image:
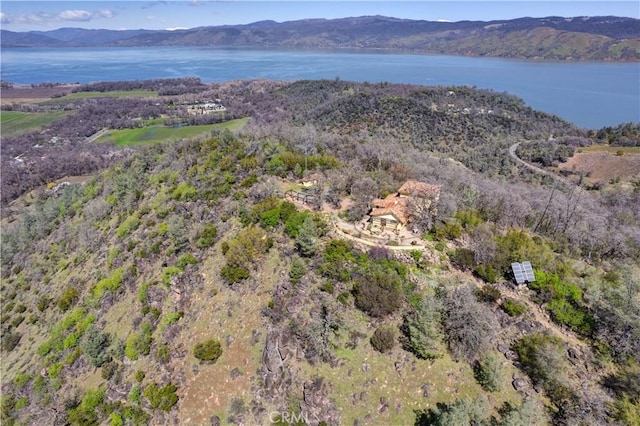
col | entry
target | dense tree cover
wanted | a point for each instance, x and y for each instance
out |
(172, 86)
(626, 134)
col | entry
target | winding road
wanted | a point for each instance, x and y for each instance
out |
(512, 152)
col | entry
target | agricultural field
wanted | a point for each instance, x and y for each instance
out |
(16, 122)
(158, 133)
(606, 164)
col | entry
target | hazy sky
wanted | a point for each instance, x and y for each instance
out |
(28, 15)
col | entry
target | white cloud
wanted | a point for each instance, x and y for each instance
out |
(442, 20)
(176, 28)
(195, 3)
(150, 17)
(104, 13)
(75, 15)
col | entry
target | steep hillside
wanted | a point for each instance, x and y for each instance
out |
(186, 284)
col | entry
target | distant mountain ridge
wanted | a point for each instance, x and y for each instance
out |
(579, 38)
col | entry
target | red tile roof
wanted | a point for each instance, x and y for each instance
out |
(393, 205)
(414, 188)
(397, 204)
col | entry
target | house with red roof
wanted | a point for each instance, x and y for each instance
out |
(395, 211)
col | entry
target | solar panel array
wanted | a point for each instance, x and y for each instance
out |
(523, 272)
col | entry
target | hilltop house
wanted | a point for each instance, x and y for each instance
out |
(396, 210)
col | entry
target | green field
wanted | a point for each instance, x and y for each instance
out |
(154, 134)
(114, 94)
(16, 122)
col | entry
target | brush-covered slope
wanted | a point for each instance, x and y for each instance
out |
(178, 287)
(472, 126)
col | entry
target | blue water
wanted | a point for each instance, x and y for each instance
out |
(589, 94)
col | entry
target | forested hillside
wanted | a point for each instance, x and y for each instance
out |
(550, 38)
(179, 284)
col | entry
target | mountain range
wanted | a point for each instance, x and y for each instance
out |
(555, 38)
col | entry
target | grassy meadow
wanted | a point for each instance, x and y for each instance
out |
(16, 122)
(158, 133)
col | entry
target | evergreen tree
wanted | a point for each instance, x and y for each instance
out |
(422, 330)
(307, 239)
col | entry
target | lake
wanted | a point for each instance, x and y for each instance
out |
(589, 94)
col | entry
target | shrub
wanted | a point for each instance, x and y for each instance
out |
(86, 412)
(169, 272)
(469, 218)
(234, 274)
(185, 192)
(108, 370)
(343, 298)
(115, 419)
(186, 259)
(464, 259)
(543, 358)
(139, 376)
(128, 225)
(43, 303)
(249, 180)
(55, 369)
(293, 223)
(489, 373)
(163, 354)
(10, 340)
(513, 308)
(95, 346)
(384, 338)
(449, 230)
(488, 294)
(270, 218)
(21, 379)
(224, 247)
(327, 287)
(564, 312)
(162, 398)
(207, 236)
(416, 255)
(298, 269)
(111, 283)
(378, 292)
(138, 343)
(336, 258)
(21, 403)
(68, 298)
(488, 273)
(209, 350)
(465, 411)
(247, 247)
